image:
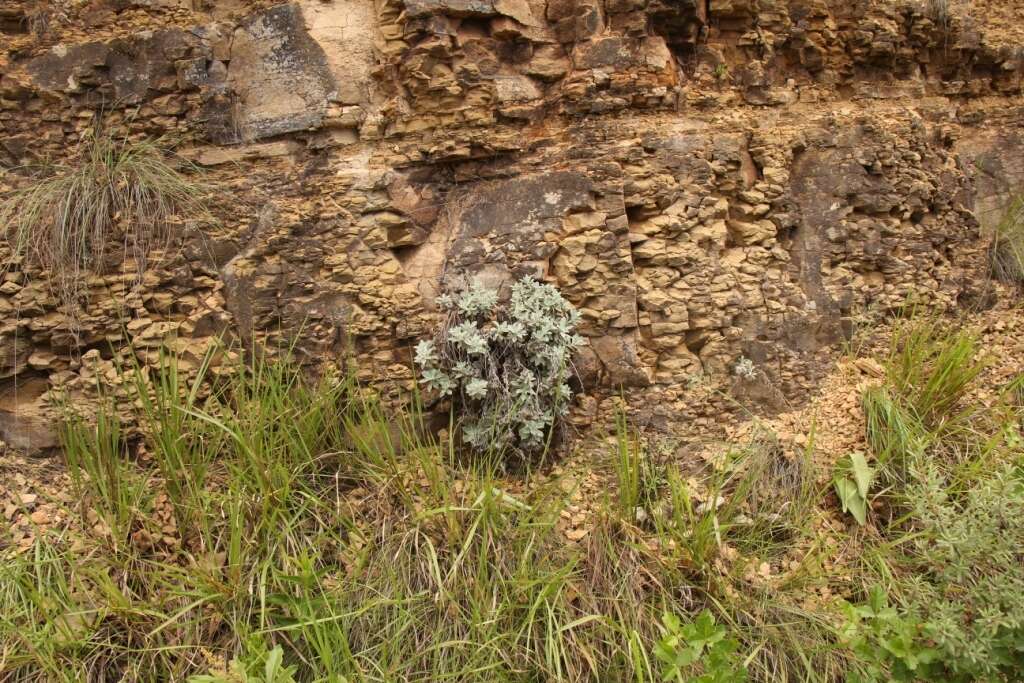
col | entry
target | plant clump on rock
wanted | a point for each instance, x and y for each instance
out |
(505, 365)
(115, 191)
(1008, 244)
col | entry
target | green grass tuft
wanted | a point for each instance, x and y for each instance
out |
(931, 365)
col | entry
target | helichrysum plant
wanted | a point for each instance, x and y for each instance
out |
(505, 365)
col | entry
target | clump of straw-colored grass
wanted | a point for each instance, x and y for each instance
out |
(114, 191)
(1008, 244)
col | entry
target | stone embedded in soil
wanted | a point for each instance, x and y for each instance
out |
(40, 517)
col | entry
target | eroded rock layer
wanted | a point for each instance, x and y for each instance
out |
(707, 180)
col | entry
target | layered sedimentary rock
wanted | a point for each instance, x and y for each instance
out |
(707, 180)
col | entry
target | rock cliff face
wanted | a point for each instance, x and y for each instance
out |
(706, 180)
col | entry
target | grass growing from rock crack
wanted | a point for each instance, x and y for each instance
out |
(118, 191)
(1007, 253)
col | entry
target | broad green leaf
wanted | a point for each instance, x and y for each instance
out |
(671, 621)
(863, 474)
(273, 664)
(851, 499)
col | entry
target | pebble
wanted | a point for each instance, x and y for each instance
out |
(40, 517)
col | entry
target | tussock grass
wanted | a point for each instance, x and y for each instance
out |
(639, 478)
(1007, 252)
(115, 191)
(931, 365)
(895, 435)
(101, 474)
(923, 410)
(181, 442)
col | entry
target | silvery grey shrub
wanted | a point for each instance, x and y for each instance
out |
(505, 365)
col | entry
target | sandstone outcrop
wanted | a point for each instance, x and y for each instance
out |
(707, 180)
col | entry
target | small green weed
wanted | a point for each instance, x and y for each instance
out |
(698, 645)
(265, 667)
(891, 646)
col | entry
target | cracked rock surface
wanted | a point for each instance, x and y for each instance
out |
(706, 180)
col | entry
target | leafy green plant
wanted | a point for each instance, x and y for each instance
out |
(852, 482)
(891, 646)
(506, 366)
(701, 644)
(116, 191)
(967, 586)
